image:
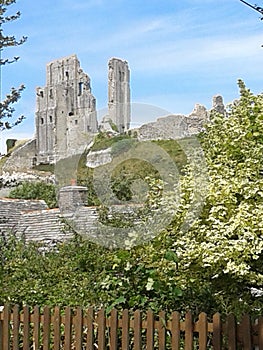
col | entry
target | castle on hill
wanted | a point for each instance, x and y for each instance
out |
(66, 122)
(66, 108)
(66, 115)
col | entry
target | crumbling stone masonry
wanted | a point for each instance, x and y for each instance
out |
(119, 94)
(65, 112)
(66, 117)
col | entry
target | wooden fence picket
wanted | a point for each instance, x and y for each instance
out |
(57, 328)
(90, 328)
(162, 331)
(137, 330)
(101, 321)
(78, 327)
(114, 330)
(150, 330)
(46, 328)
(231, 332)
(217, 330)
(6, 329)
(16, 325)
(203, 331)
(175, 330)
(246, 332)
(188, 331)
(260, 333)
(125, 330)
(26, 328)
(68, 328)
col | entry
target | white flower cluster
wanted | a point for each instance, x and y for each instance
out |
(14, 179)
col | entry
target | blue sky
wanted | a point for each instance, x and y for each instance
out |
(179, 52)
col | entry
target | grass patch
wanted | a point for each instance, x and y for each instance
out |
(45, 167)
(104, 141)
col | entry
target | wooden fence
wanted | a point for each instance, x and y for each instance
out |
(86, 329)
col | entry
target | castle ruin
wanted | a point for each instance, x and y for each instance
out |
(66, 116)
(119, 94)
(66, 120)
(65, 112)
(66, 108)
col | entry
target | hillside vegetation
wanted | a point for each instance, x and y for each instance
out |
(215, 264)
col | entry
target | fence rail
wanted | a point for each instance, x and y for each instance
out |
(79, 329)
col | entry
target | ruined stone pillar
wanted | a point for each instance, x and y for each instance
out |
(119, 94)
(218, 104)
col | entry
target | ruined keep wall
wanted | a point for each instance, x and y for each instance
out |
(22, 158)
(119, 94)
(66, 111)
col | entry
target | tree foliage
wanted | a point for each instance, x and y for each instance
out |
(6, 106)
(36, 190)
(224, 247)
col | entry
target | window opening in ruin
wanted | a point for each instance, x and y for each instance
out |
(88, 128)
(71, 114)
(41, 93)
(51, 93)
(50, 118)
(87, 85)
(80, 88)
(42, 121)
(76, 122)
(67, 75)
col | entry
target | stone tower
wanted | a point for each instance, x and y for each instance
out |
(119, 94)
(65, 112)
(218, 104)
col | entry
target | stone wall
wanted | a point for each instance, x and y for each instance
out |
(22, 158)
(43, 226)
(178, 126)
(11, 211)
(164, 128)
(36, 222)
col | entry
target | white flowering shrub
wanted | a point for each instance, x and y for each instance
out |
(224, 247)
(15, 179)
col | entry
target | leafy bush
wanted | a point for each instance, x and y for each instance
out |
(36, 190)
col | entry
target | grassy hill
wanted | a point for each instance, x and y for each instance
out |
(124, 173)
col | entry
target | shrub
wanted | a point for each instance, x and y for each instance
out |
(36, 190)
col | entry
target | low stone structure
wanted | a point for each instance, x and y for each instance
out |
(22, 158)
(168, 127)
(33, 219)
(35, 222)
(12, 211)
(177, 126)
